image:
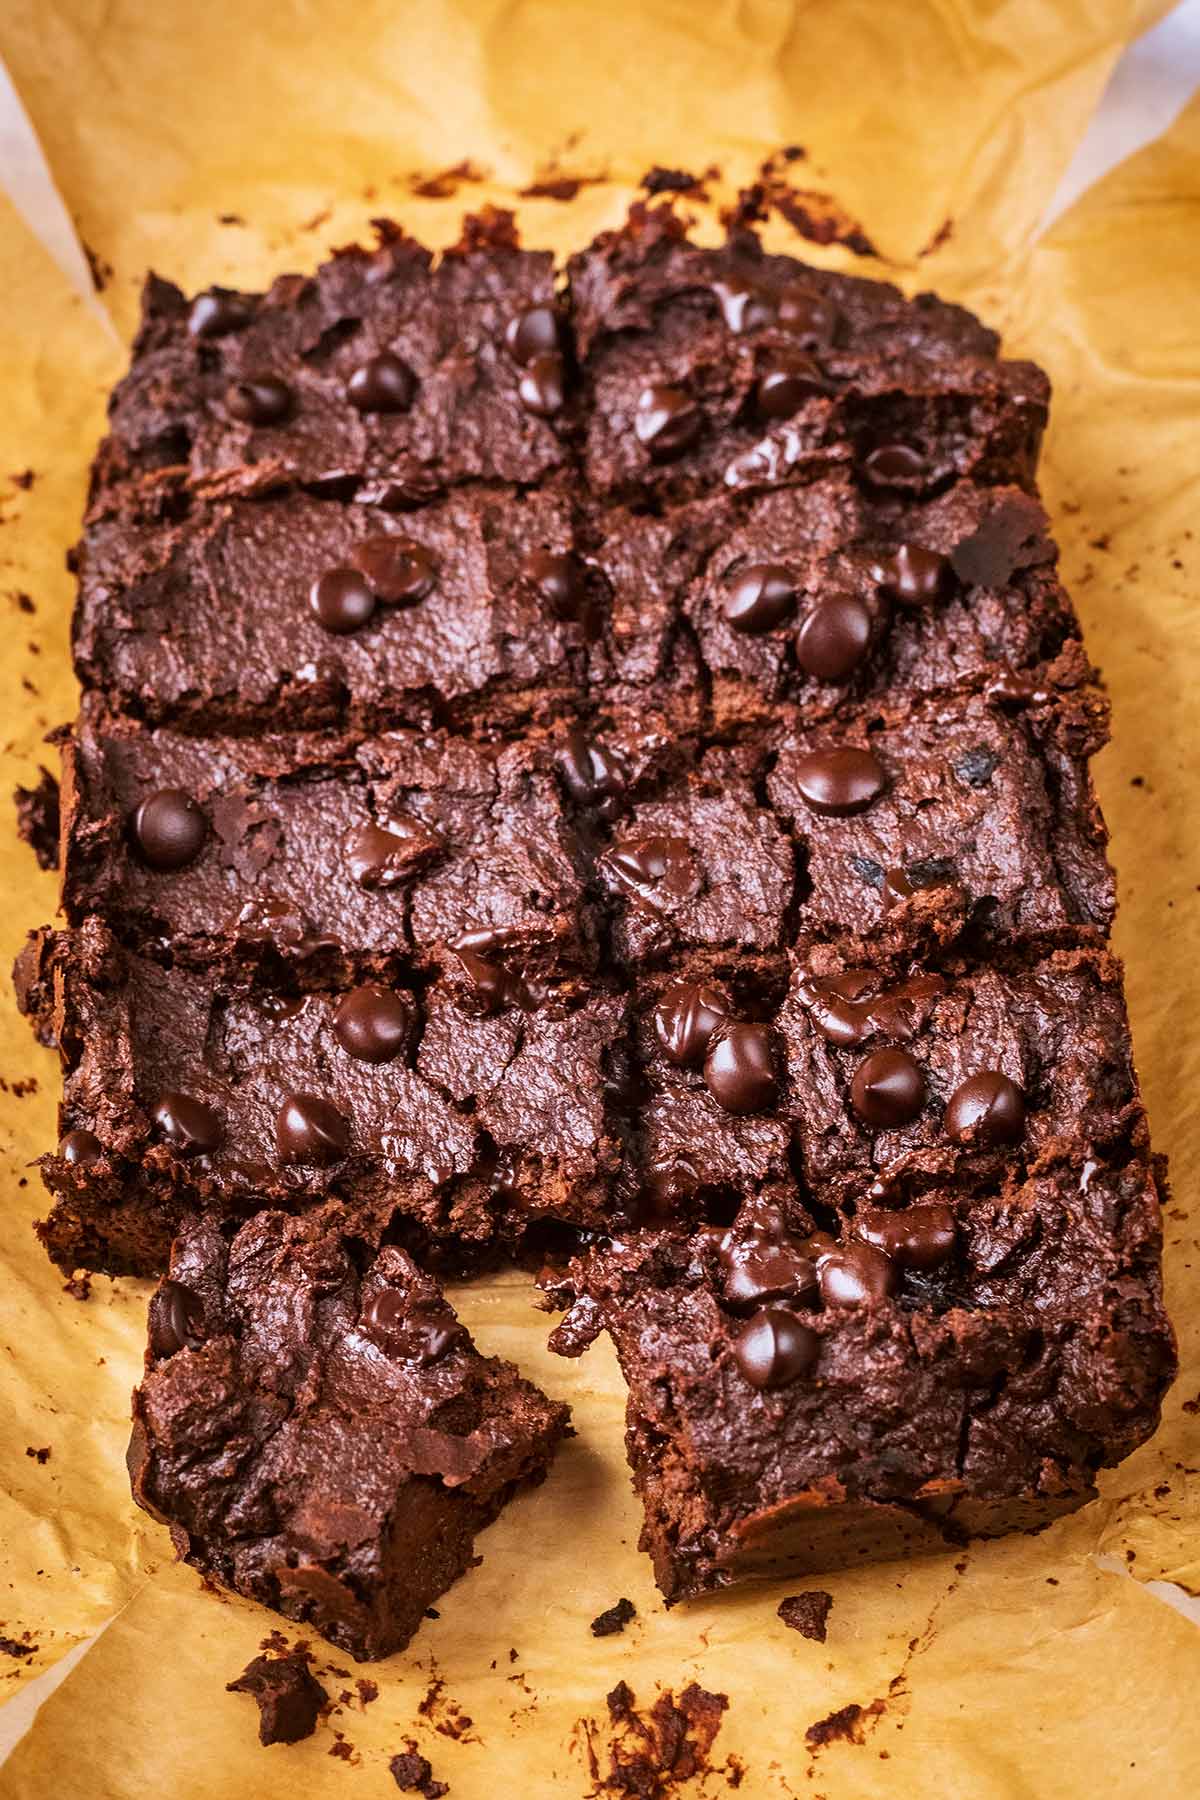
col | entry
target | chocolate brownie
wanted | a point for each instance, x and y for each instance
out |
(380, 374)
(703, 368)
(319, 1431)
(459, 1114)
(797, 1404)
(299, 613)
(325, 859)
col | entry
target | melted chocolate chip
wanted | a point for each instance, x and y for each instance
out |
(919, 1237)
(384, 384)
(739, 1069)
(169, 828)
(807, 315)
(914, 576)
(667, 420)
(270, 919)
(986, 1109)
(786, 384)
(653, 870)
(834, 638)
(418, 1333)
(535, 332)
(775, 1348)
(592, 774)
(492, 987)
(836, 783)
(372, 1023)
(259, 400)
(856, 1274)
(760, 597)
(177, 1319)
(667, 1187)
(395, 569)
(557, 579)
(189, 1126)
(310, 1129)
(887, 1090)
(80, 1147)
(384, 857)
(685, 1018)
(542, 387)
(744, 305)
(342, 599)
(218, 312)
(848, 1009)
(890, 463)
(761, 1268)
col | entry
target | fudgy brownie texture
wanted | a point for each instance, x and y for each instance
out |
(319, 1431)
(728, 368)
(406, 1106)
(796, 1405)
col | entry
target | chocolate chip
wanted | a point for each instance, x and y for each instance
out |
(739, 1069)
(542, 387)
(836, 783)
(667, 1187)
(372, 1023)
(761, 1268)
(395, 569)
(666, 421)
(535, 332)
(492, 986)
(259, 400)
(849, 1008)
(592, 773)
(976, 767)
(653, 870)
(856, 1275)
(384, 384)
(890, 463)
(556, 577)
(270, 919)
(887, 1090)
(177, 1321)
(760, 597)
(217, 312)
(744, 305)
(912, 575)
(807, 315)
(380, 857)
(786, 384)
(687, 1014)
(775, 1348)
(919, 1237)
(896, 887)
(189, 1126)
(418, 1333)
(834, 638)
(169, 828)
(80, 1147)
(986, 1109)
(310, 1129)
(342, 599)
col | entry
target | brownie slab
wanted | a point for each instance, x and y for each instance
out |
(316, 858)
(295, 613)
(320, 1433)
(710, 368)
(379, 372)
(456, 1117)
(781, 1421)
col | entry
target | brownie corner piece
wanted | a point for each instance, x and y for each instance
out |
(320, 1433)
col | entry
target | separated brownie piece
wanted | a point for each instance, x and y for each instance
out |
(325, 859)
(293, 613)
(378, 372)
(727, 368)
(466, 1112)
(319, 1431)
(797, 1405)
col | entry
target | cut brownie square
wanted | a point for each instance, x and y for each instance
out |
(322, 859)
(293, 613)
(797, 1405)
(378, 372)
(413, 1111)
(319, 1432)
(706, 369)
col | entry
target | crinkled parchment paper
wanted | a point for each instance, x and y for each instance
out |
(222, 143)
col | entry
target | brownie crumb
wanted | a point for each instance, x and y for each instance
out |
(652, 1754)
(367, 1691)
(37, 818)
(23, 479)
(848, 1724)
(807, 1613)
(413, 1774)
(79, 1287)
(615, 1619)
(25, 603)
(41, 1456)
(289, 1696)
(668, 181)
(16, 1647)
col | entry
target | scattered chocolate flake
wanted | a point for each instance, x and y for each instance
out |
(651, 1755)
(848, 1724)
(37, 818)
(615, 1619)
(807, 1613)
(230, 219)
(367, 1691)
(317, 220)
(288, 1695)
(814, 215)
(444, 1713)
(942, 235)
(25, 603)
(16, 1647)
(668, 181)
(23, 479)
(412, 1774)
(79, 1287)
(343, 1748)
(100, 271)
(555, 187)
(445, 185)
(41, 1456)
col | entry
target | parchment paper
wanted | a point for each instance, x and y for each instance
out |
(1025, 1667)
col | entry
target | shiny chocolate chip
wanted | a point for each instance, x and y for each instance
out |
(855, 1275)
(807, 315)
(687, 1014)
(383, 384)
(491, 986)
(889, 464)
(384, 857)
(834, 638)
(593, 774)
(667, 420)
(373, 1023)
(218, 312)
(177, 1319)
(543, 385)
(786, 384)
(914, 576)
(557, 579)
(342, 599)
(535, 332)
(917, 1237)
(775, 1348)
(417, 1332)
(310, 1129)
(190, 1126)
(396, 569)
(760, 597)
(169, 828)
(887, 1090)
(654, 870)
(761, 1268)
(986, 1109)
(739, 1068)
(259, 400)
(745, 306)
(837, 783)
(80, 1147)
